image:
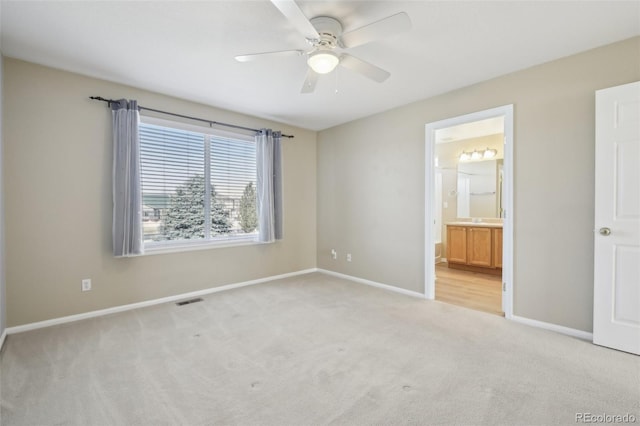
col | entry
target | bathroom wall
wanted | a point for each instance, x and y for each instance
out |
(448, 154)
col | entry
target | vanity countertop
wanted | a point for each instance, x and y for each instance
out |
(477, 224)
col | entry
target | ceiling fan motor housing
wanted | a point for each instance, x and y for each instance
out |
(329, 29)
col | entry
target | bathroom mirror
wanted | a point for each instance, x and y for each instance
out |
(479, 191)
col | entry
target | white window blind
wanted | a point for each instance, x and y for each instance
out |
(196, 186)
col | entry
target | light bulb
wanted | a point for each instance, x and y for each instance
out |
(490, 153)
(476, 155)
(323, 61)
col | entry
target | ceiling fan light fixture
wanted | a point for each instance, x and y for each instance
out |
(323, 61)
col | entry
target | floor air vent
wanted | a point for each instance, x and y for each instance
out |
(186, 302)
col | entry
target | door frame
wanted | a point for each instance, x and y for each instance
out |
(505, 111)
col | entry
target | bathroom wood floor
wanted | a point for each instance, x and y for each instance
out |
(472, 290)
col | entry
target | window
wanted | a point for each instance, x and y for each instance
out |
(198, 185)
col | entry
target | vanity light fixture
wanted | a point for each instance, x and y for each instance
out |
(478, 155)
(490, 153)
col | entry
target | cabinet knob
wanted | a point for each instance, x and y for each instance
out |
(605, 232)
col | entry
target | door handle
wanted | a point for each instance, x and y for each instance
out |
(605, 232)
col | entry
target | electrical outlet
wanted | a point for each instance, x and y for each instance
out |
(348, 257)
(334, 254)
(86, 284)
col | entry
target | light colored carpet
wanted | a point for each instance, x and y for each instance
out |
(309, 350)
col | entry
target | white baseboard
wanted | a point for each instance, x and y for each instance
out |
(372, 283)
(122, 308)
(533, 323)
(71, 318)
(2, 338)
(584, 335)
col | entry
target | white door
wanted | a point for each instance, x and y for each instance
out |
(616, 303)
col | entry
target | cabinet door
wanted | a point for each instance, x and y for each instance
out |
(457, 244)
(479, 243)
(497, 247)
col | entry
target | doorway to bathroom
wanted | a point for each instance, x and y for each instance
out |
(468, 210)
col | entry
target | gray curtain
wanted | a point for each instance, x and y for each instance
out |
(127, 196)
(269, 185)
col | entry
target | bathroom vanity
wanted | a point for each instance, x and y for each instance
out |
(475, 247)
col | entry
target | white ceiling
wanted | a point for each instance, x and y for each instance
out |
(187, 48)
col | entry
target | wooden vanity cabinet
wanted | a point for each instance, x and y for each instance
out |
(457, 244)
(475, 248)
(480, 247)
(497, 247)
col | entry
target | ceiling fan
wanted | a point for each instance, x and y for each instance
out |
(327, 40)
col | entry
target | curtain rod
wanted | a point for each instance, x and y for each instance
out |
(210, 122)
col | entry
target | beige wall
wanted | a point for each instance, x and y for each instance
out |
(371, 190)
(58, 202)
(3, 310)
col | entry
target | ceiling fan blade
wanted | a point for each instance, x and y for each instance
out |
(364, 68)
(310, 82)
(256, 56)
(386, 27)
(292, 12)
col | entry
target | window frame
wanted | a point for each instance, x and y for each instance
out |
(176, 246)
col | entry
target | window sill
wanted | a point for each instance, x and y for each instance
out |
(183, 246)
